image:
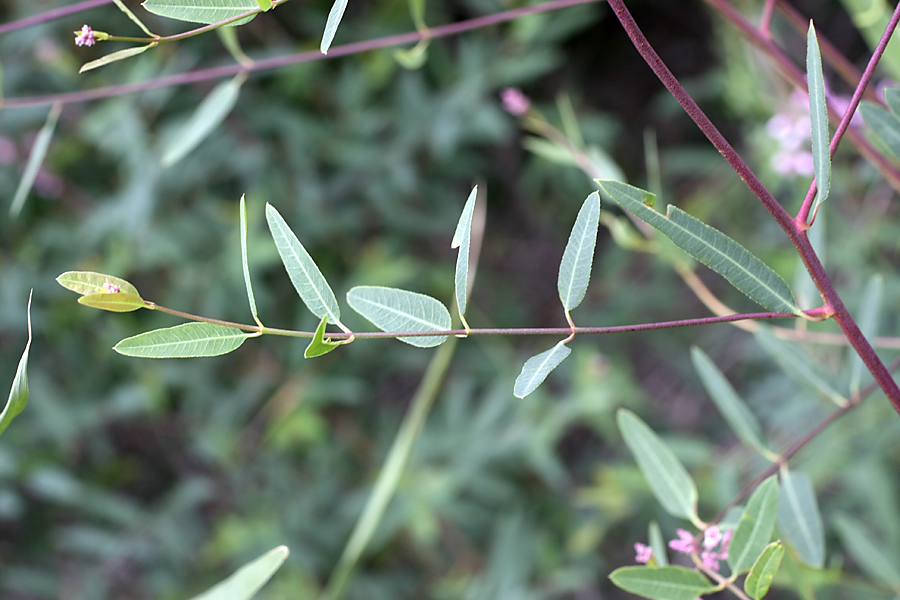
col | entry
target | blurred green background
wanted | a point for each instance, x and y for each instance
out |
(129, 479)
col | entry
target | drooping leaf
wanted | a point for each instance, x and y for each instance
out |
(244, 262)
(883, 124)
(658, 544)
(413, 58)
(334, 19)
(305, 275)
(755, 528)
(662, 583)
(797, 365)
(319, 346)
(391, 309)
(818, 113)
(229, 38)
(118, 302)
(710, 246)
(116, 56)
(202, 11)
(35, 160)
(536, 369)
(249, 579)
(578, 257)
(133, 17)
(799, 519)
(18, 393)
(189, 340)
(759, 579)
(462, 238)
(871, 556)
(667, 478)
(206, 118)
(89, 282)
(868, 325)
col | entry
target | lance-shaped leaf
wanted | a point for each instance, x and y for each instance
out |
(113, 302)
(575, 268)
(89, 282)
(116, 56)
(319, 345)
(667, 478)
(797, 365)
(305, 275)
(206, 118)
(18, 393)
(799, 519)
(818, 114)
(462, 238)
(755, 528)
(245, 265)
(883, 124)
(35, 160)
(334, 19)
(202, 11)
(189, 340)
(391, 309)
(249, 579)
(662, 583)
(872, 558)
(709, 246)
(133, 17)
(536, 369)
(658, 544)
(869, 313)
(759, 579)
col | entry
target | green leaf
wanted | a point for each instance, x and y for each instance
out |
(35, 160)
(133, 17)
(18, 393)
(658, 544)
(246, 581)
(662, 583)
(759, 579)
(818, 113)
(578, 257)
(188, 340)
(391, 309)
(334, 19)
(885, 125)
(755, 528)
(413, 58)
(229, 38)
(319, 346)
(113, 302)
(668, 480)
(732, 407)
(264, 5)
(868, 325)
(536, 369)
(797, 365)
(305, 275)
(244, 263)
(115, 56)
(89, 282)
(461, 239)
(202, 11)
(709, 246)
(206, 118)
(868, 554)
(892, 99)
(799, 519)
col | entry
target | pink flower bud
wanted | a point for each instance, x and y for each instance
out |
(85, 37)
(515, 102)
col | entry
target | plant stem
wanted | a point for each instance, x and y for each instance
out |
(51, 15)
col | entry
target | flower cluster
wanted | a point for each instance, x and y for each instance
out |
(712, 538)
(110, 288)
(85, 37)
(791, 129)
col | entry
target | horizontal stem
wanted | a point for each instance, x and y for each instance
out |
(51, 15)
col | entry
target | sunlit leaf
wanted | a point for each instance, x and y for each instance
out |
(797, 365)
(113, 302)
(244, 262)
(536, 369)
(305, 275)
(461, 239)
(18, 393)
(391, 309)
(202, 11)
(334, 19)
(662, 583)
(115, 56)
(88, 282)
(578, 257)
(709, 246)
(35, 160)
(867, 320)
(818, 113)
(799, 519)
(667, 478)
(133, 17)
(206, 118)
(759, 579)
(755, 528)
(870, 555)
(249, 579)
(188, 340)
(319, 346)
(885, 125)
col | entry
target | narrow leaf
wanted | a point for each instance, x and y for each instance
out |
(462, 239)
(799, 519)
(18, 393)
(658, 544)
(116, 56)
(88, 282)
(305, 275)
(818, 114)
(334, 19)
(202, 11)
(229, 38)
(796, 365)
(755, 528)
(391, 309)
(319, 346)
(133, 17)
(866, 552)
(35, 160)
(709, 246)
(667, 478)
(117, 302)
(244, 262)
(759, 579)
(536, 369)
(188, 340)
(892, 99)
(868, 325)
(413, 58)
(883, 124)
(578, 257)
(208, 116)
(662, 583)
(249, 579)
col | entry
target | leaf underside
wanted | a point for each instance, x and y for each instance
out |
(391, 309)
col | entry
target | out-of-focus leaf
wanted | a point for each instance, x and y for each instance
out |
(797, 365)
(536, 369)
(18, 393)
(391, 309)
(868, 325)
(133, 17)
(892, 99)
(667, 478)
(115, 56)
(206, 118)
(818, 113)
(662, 583)
(799, 519)
(413, 58)
(35, 160)
(202, 11)
(249, 579)
(755, 528)
(319, 346)
(188, 340)
(885, 125)
(87, 283)
(462, 238)
(245, 265)
(878, 562)
(759, 579)
(117, 302)
(334, 19)
(578, 257)
(658, 544)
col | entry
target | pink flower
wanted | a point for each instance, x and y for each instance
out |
(515, 102)
(711, 537)
(85, 37)
(685, 543)
(643, 553)
(110, 288)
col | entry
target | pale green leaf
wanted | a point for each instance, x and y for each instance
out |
(305, 275)
(871, 557)
(797, 365)
(662, 583)
(667, 478)
(868, 325)
(885, 125)
(415, 57)
(799, 520)
(88, 282)
(202, 11)
(35, 160)
(892, 99)
(244, 262)
(249, 579)
(319, 346)
(759, 579)
(18, 393)
(133, 17)
(391, 309)
(417, 12)
(462, 238)
(264, 5)
(115, 56)
(578, 257)
(755, 528)
(229, 38)
(206, 118)
(113, 302)
(658, 544)
(709, 246)
(818, 113)
(188, 340)
(334, 19)
(536, 369)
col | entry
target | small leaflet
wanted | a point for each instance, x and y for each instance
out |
(133, 17)
(578, 257)
(319, 346)
(334, 19)
(755, 528)
(249, 579)
(391, 309)
(189, 340)
(35, 160)
(89, 282)
(668, 583)
(818, 114)
(116, 56)
(244, 262)
(536, 369)
(113, 301)
(462, 238)
(759, 579)
(18, 393)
